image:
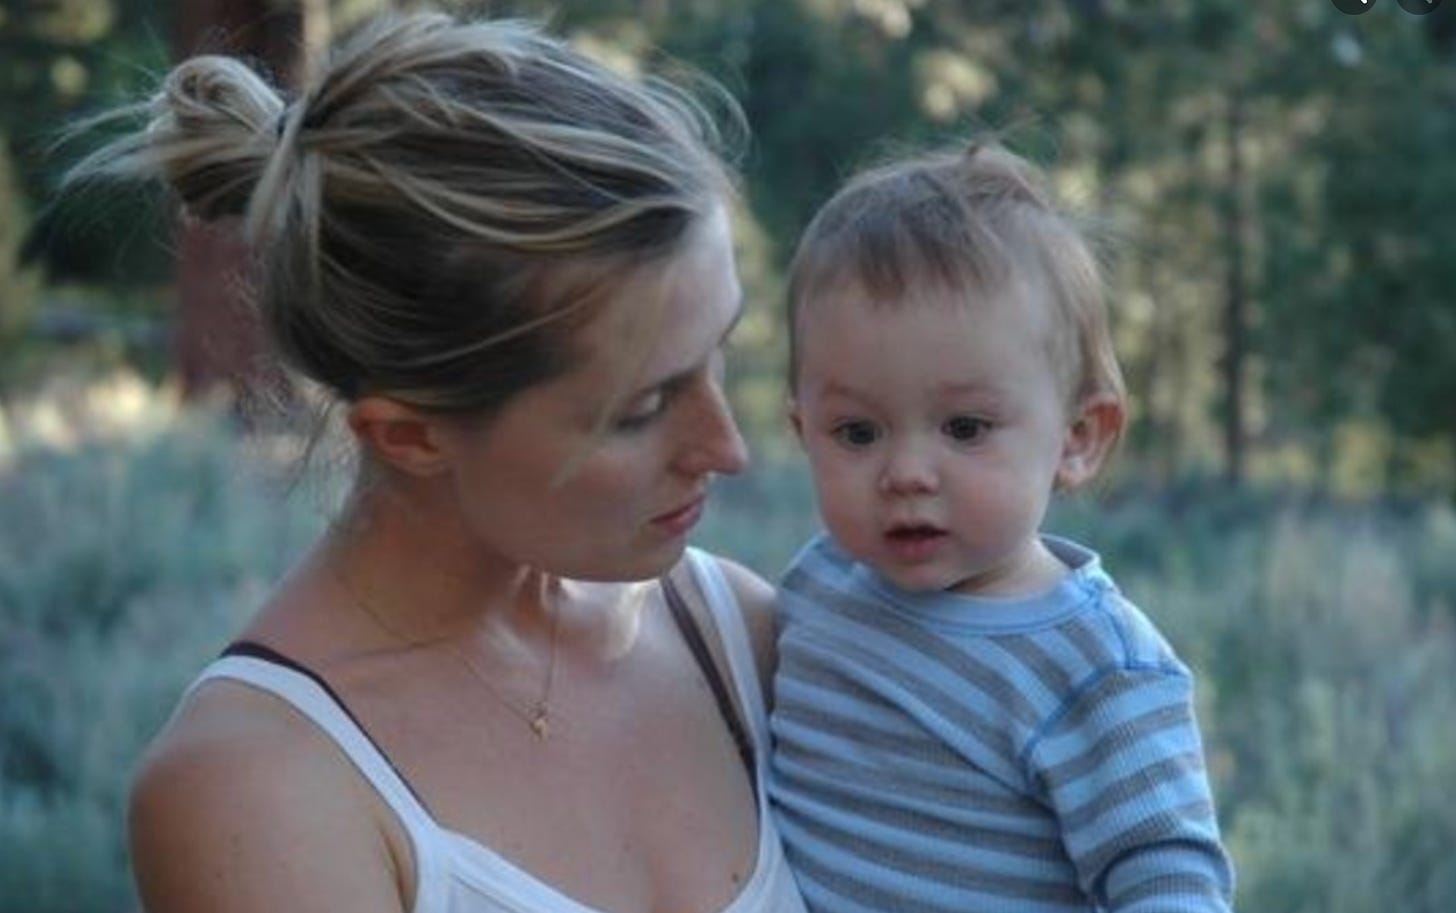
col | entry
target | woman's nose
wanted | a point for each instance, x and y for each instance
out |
(716, 444)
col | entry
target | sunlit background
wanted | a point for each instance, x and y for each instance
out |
(1275, 187)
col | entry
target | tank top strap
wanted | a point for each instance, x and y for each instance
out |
(310, 695)
(733, 631)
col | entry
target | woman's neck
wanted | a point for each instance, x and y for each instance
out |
(425, 576)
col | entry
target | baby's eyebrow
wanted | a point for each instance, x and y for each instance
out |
(961, 388)
(840, 389)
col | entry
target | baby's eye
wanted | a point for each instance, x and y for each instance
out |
(857, 433)
(966, 428)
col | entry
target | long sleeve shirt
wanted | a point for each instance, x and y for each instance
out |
(939, 752)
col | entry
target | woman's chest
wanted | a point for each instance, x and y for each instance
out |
(635, 799)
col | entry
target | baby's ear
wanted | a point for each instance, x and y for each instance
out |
(1092, 430)
(398, 435)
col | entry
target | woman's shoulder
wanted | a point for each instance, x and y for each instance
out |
(756, 602)
(240, 804)
(754, 594)
(226, 724)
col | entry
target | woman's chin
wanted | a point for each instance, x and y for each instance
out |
(644, 564)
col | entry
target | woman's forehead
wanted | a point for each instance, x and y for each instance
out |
(674, 310)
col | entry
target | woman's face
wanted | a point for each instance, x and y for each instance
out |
(577, 477)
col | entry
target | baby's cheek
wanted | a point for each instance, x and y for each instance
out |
(847, 518)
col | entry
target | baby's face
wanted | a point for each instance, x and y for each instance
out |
(935, 429)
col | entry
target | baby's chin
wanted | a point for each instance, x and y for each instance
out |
(919, 581)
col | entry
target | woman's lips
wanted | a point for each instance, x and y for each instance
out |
(679, 521)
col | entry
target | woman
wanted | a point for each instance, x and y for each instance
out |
(514, 268)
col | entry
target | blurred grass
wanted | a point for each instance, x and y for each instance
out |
(133, 539)
(134, 536)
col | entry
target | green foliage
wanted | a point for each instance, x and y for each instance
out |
(61, 855)
(1357, 241)
(59, 60)
(125, 561)
(58, 64)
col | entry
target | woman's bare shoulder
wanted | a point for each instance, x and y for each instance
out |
(755, 596)
(754, 593)
(241, 805)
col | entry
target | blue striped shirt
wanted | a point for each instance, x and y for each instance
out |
(945, 753)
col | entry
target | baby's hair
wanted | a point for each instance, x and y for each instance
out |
(973, 221)
(434, 215)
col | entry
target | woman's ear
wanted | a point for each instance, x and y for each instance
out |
(398, 435)
(1092, 431)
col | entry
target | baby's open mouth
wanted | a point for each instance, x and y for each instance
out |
(914, 533)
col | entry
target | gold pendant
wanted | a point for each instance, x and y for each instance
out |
(540, 722)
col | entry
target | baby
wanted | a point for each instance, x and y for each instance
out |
(969, 716)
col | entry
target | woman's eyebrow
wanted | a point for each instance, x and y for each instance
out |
(680, 377)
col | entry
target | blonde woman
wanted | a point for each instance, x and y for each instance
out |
(501, 681)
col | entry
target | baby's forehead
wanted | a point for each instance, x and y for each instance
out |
(957, 312)
(955, 301)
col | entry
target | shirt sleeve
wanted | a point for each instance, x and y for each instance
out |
(1121, 765)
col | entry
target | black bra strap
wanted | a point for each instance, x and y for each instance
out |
(694, 637)
(255, 650)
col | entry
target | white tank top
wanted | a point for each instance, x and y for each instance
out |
(456, 874)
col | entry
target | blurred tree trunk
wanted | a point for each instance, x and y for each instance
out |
(1236, 293)
(218, 341)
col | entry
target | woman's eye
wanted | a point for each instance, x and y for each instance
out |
(856, 434)
(643, 412)
(965, 428)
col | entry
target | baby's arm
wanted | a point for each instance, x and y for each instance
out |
(1123, 768)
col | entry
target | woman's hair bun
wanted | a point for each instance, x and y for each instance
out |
(211, 133)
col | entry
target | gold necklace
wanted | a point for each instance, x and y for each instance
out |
(536, 715)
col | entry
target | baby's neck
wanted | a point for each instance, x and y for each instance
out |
(1034, 569)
